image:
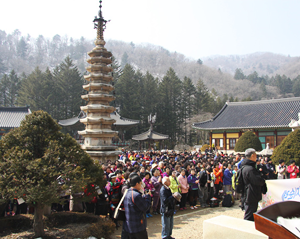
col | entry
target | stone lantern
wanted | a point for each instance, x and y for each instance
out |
(98, 133)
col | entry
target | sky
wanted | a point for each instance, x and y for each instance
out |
(195, 28)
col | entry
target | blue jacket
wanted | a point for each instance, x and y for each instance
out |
(227, 177)
(136, 206)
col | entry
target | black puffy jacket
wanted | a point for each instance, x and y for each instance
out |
(252, 180)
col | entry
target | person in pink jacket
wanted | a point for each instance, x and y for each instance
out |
(184, 186)
(293, 170)
(148, 187)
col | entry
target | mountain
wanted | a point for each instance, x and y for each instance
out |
(24, 53)
(264, 63)
(157, 61)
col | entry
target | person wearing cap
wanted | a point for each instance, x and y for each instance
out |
(293, 170)
(253, 182)
(271, 168)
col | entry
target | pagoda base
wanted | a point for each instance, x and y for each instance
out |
(104, 156)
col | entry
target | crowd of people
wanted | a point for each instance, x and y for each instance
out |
(153, 178)
(198, 177)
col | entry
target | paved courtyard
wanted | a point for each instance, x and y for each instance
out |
(188, 223)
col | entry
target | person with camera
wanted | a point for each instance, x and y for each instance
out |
(281, 171)
(136, 205)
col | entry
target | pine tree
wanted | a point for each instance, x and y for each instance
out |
(4, 90)
(148, 98)
(69, 81)
(34, 155)
(9, 88)
(169, 107)
(127, 88)
(187, 104)
(31, 92)
(203, 100)
(239, 75)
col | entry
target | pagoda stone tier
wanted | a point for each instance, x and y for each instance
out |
(98, 133)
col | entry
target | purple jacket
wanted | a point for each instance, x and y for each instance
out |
(191, 181)
(157, 185)
(148, 185)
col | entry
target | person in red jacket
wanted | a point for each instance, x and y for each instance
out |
(293, 170)
(218, 173)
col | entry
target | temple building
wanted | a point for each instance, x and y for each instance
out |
(268, 119)
(98, 133)
(11, 117)
(150, 136)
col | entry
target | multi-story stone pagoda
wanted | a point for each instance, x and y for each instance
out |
(98, 134)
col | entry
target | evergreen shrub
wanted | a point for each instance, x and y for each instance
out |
(60, 219)
(288, 149)
(248, 140)
(102, 229)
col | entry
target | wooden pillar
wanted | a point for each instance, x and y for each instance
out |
(210, 138)
(275, 144)
(224, 143)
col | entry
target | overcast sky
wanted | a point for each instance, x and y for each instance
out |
(195, 28)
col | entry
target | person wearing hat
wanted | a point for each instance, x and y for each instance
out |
(293, 170)
(271, 168)
(253, 182)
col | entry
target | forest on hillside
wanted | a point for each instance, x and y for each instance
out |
(47, 74)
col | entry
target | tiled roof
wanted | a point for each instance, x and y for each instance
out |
(150, 134)
(11, 117)
(276, 113)
(120, 121)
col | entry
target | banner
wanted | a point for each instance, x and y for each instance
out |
(281, 190)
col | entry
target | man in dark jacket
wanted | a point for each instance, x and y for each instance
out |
(203, 192)
(253, 184)
(136, 206)
(166, 209)
(271, 168)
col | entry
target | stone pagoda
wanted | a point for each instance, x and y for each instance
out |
(98, 133)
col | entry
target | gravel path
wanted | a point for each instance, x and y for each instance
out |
(189, 223)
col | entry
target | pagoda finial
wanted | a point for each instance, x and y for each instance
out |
(100, 23)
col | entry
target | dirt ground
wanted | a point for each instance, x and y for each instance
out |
(188, 223)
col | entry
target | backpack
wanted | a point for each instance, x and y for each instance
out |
(239, 182)
(227, 201)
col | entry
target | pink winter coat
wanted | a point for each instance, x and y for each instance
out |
(184, 186)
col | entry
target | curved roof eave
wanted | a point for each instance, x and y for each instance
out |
(252, 127)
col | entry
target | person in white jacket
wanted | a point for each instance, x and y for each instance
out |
(281, 170)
